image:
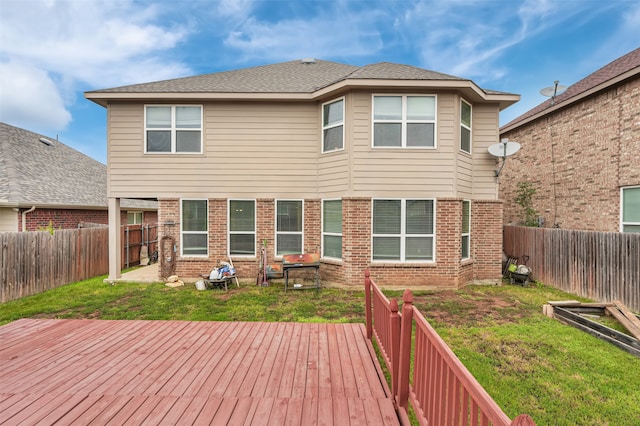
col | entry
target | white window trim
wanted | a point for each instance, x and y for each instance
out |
(344, 108)
(323, 233)
(403, 121)
(470, 127)
(467, 234)
(255, 227)
(622, 223)
(275, 226)
(200, 256)
(173, 129)
(403, 234)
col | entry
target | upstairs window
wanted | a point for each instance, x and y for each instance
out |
(288, 227)
(332, 228)
(466, 229)
(333, 126)
(404, 230)
(630, 206)
(173, 129)
(404, 121)
(194, 228)
(465, 126)
(242, 227)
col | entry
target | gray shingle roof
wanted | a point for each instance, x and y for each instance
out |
(34, 173)
(285, 77)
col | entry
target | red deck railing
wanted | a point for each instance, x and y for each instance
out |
(441, 390)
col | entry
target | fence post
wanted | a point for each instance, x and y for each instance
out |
(394, 339)
(402, 397)
(367, 303)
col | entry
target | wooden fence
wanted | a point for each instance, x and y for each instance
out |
(133, 238)
(441, 390)
(33, 262)
(603, 266)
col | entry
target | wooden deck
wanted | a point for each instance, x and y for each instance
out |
(180, 372)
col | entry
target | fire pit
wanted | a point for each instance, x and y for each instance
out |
(300, 261)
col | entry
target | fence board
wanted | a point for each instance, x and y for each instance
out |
(33, 262)
(604, 266)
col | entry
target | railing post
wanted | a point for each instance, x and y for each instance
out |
(367, 303)
(402, 397)
(523, 420)
(394, 339)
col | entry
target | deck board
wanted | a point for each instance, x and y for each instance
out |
(179, 372)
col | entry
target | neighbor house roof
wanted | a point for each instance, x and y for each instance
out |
(39, 170)
(304, 79)
(623, 68)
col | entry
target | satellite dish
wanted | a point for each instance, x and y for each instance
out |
(553, 91)
(504, 149)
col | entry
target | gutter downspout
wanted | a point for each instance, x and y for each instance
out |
(24, 218)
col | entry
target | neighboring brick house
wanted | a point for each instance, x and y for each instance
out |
(581, 152)
(43, 182)
(383, 166)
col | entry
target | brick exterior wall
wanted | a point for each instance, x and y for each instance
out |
(61, 218)
(71, 218)
(447, 272)
(577, 159)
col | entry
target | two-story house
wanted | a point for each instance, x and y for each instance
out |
(382, 166)
(581, 153)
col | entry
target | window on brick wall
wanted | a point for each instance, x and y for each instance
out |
(289, 226)
(332, 228)
(630, 209)
(242, 227)
(403, 230)
(466, 229)
(194, 228)
(134, 218)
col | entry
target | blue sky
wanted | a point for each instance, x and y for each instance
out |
(52, 51)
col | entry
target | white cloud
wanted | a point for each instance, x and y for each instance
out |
(29, 92)
(335, 32)
(471, 38)
(53, 49)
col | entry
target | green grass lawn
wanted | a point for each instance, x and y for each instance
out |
(527, 362)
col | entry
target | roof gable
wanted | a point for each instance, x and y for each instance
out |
(599, 80)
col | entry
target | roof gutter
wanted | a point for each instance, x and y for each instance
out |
(24, 218)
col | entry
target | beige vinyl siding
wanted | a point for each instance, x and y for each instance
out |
(250, 149)
(260, 149)
(485, 133)
(8, 220)
(393, 172)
